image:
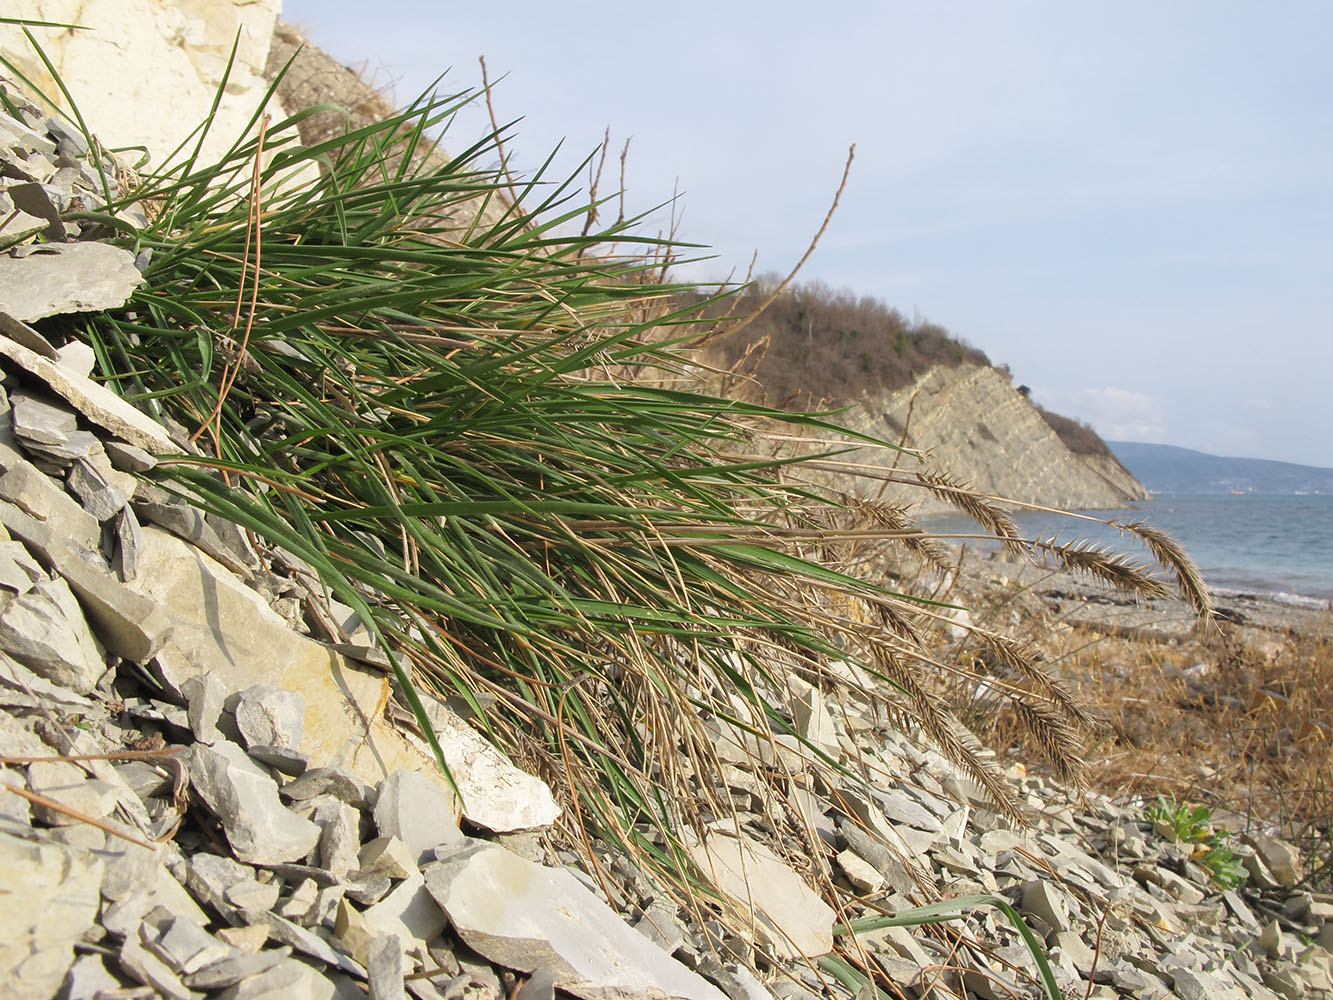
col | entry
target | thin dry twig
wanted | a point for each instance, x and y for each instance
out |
(253, 234)
(65, 810)
(721, 331)
(495, 128)
(594, 180)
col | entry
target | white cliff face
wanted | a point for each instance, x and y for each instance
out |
(145, 72)
(974, 424)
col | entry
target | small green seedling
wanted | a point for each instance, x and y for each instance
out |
(1192, 825)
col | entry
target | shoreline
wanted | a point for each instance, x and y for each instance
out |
(993, 578)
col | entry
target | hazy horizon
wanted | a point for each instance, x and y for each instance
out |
(1130, 205)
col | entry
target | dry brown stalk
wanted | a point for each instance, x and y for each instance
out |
(65, 810)
(495, 129)
(1100, 563)
(253, 232)
(720, 331)
(595, 179)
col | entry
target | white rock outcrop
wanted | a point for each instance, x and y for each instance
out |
(145, 72)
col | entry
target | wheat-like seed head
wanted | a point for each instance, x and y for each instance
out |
(1169, 553)
(963, 497)
(1100, 563)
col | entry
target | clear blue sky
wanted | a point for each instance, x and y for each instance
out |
(1130, 203)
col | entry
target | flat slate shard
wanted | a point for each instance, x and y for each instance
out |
(259, 829)
(95, 401)
(128, 624)
(417, 811)
(790, 916)
(496, 794)
(525, 917)
(67, 278)
(44, 629)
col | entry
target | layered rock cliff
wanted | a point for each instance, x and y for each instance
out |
(970, 421)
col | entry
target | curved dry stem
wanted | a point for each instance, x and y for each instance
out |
(720, 331)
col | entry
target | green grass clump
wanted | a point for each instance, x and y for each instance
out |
(434, 413)
(475, 427)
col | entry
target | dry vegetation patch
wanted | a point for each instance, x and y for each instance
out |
(1239, 722)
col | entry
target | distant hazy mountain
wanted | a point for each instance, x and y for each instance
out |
(1164, 468)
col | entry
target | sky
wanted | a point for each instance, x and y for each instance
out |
(1129, 203)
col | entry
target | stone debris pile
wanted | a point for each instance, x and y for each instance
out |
(201, 792)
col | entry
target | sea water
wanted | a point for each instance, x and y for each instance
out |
(1276, 546)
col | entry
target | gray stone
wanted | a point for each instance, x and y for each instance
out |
(1281, 858)
(284, 760)
(385, 968)
(36, 941)
(540, 985)
(224, 627)
(287, 980)
(417, 811)
(79, 446)
(210, 876)
(899, 807)
(812, 718)
(32, 198)
(15, 814)
(1042, 899)
(342, 785)
(1189, 985)
(148, 969)
(284, 931)
(205, 697)
(245, 799)
(251, 895)
(339, 838)
(496, 794)
(387, 856)
(71, 787)
(37, 495)
(128, 458)
(88, 977)
(269, 716)
(235, 968)
(95, 401)
(409, 912)
(37, 420)
(126, 559)
(131, 626)
(17, 225)
(44, 629)
(100, 497)
(18, 569)
(1075, 949)
(299, 902)
(186, 946)
(660, 926)
(367, 889)
(78, 357)
(66, 278)
(863, 876)
(31, 690)
(194, 526)
(523, 916)
(892, 864)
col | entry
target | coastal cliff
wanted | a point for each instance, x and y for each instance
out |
(970, 422)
